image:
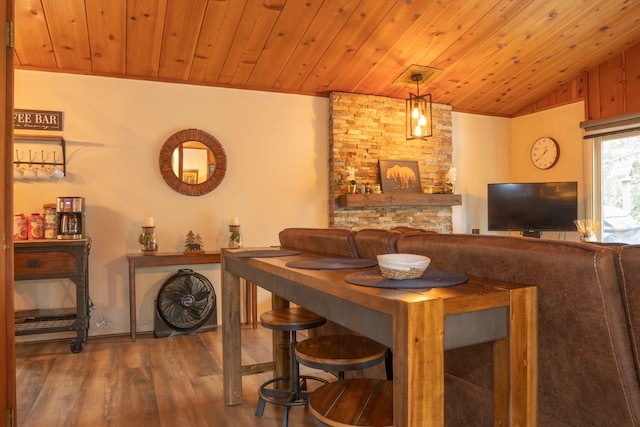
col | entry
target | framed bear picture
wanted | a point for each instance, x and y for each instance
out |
(400, 176)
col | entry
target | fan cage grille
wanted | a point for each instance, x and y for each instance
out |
(186, 300)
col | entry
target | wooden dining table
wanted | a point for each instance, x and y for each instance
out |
(417, 324)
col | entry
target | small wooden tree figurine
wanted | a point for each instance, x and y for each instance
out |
(193, 244)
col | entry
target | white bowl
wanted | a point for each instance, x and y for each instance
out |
(403, 266)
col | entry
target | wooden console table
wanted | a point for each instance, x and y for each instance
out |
(418, 325)
(138, 260)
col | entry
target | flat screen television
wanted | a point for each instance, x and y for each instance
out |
(532, 207)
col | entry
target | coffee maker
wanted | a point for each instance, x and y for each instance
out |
(70, 218)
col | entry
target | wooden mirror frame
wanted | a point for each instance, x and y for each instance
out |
(166, 169)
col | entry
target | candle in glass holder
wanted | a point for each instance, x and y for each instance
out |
(235, 236)
(147, 240)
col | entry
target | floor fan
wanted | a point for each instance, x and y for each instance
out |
(186, 304)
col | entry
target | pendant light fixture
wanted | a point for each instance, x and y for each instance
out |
(419, 118)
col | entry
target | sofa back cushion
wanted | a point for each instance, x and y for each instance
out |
(629, 258)
(372, 242)
(326, 241)
(411, 230)
(584, 347)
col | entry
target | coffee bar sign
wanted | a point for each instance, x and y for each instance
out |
(37, 120)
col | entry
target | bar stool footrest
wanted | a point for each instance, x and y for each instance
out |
(285, 397)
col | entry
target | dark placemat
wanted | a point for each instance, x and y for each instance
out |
(332, 263)
(430, 279)
(262, 253)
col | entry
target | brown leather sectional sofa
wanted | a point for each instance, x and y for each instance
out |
(589, 318)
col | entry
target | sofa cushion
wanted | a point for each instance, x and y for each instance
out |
(373, 242)
(410, 230)
(587, 374)
(629, 259)
(326, 241)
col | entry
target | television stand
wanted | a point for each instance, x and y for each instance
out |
(531, 233)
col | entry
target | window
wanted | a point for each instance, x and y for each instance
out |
(617, 186)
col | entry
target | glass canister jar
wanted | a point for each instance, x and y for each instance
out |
(147, 240)
(50, 224)
(235, 236)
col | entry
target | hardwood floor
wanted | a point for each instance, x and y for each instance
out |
(174, 381)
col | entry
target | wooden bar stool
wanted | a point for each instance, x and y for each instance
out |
(341, 353)
(353, 402)
(288, 391)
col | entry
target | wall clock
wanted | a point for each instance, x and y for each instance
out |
(545, 152)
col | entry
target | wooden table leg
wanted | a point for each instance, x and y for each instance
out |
(281, 357)
(231, 340)
(247, 300)
(418, 364)
(132, 299)
(515, 363)
(251, 304)
(254, 305)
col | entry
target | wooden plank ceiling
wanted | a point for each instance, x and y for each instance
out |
(495, 56)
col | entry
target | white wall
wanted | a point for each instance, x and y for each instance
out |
(481, 156)
(492, 149)
(563, 125)
(277, 176)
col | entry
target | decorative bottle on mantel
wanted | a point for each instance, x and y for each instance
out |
(351, 180)
(147, 239)
(450, 180)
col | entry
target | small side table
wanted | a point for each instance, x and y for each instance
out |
(138, 260)
(55, 259)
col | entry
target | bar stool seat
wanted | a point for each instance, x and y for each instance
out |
(340, 353)
(353, 402)
(288, 391)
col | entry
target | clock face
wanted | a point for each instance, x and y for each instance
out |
(545, 152)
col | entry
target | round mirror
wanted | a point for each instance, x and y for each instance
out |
(193, 162)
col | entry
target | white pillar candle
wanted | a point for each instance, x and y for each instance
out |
(148, 221)
(235, 221)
